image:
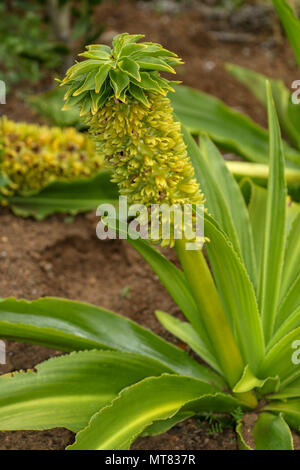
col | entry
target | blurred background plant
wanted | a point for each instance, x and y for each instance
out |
(39, 36)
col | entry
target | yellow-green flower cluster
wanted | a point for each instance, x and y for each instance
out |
(145, 150)
(123, 98)
(34, 156)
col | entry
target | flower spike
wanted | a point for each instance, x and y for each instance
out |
(123, 98)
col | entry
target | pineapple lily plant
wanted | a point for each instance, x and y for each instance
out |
(35, 156)
(242, 307)
(44, 170)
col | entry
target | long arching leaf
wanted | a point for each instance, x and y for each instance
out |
(67, 325)
(273, 253)
(237, 295)
(288, 113)
(187, 333)
(290, 410)
(66, 391)
(291, 267)
(120, 423)
(235, 201)
(201, 112)
(272, 433)
(279, 360)
(71, 198)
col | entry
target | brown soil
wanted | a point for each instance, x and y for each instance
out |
(62, 258)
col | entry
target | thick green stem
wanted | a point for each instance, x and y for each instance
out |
(213, 316)
(260, 172)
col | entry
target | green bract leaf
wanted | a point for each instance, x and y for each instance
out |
(139, 94)
(99, 48)
(153, 63)
(130, 67)
(148, 84)
(119, 68)
(88, 84)
(101, 77)
(78, 71)
(119, 81)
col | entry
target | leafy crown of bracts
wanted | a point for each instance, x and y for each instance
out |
(127, 70)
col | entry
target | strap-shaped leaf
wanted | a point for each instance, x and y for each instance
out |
(291, 322)
(291, 267)
(257, 208)
(291, 25)
(137, 407)
(200, 112)
(175, 282)
(273, 253)
(215, 199)
(185, 332)
(279, 360)
(290, 391)
(288, 113)
(79, 196)
(66, 391)
(235, 201)
(256, 196)
(237, 295)
(66, 325)
(272, 433)
(290, 410)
